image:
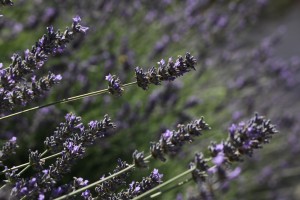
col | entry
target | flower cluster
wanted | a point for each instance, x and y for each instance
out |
(70, 139)
(15, 89)
(73, 130)
(242, 140)
(215, 22)
(107, 189)
(8, 149)
(171, 142)
(165, 71)
(137, 188)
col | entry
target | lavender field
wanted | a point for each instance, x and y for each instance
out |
(139, 99)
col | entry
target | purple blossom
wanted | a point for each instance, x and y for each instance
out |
(41, 197)
(134, 187)
(156, 176)
(80, 182)
(235, 173)
(219, 159)
(109, 77)
(76, 19)
(13, 140)
(232, 130)
(86, 194)
(168, 134)
(18, 91)
(24, 191)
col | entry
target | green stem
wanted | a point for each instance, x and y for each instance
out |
(3, 186)
(98, 92)
(164, 184)
(171, 188)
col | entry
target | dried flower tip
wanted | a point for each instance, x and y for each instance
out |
(139, 159)
(165, 71)
(141, 78)
(114, 85)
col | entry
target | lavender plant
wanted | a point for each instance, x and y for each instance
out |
(48, 171)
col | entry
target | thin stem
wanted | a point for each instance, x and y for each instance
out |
(98, 92)
(26, 164)
(3, 186)
(23, 170)
(164, 184)
(171, 188)
(20, 166)
(100, 181)
(95, 183)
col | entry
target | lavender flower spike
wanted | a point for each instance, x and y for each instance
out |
(165, 71)
(171, 141)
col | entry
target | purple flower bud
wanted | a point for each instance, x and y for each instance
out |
(219, 159)
(235, 173)
(80, 181)
(86, 194)
(70, 117)
(32, 181)
(13, 140)
(156, 177)
(41, 197)
(219, 147)
(108, 77)
(76, 19)
(92, 124)
(83, 29)
(57, 77)
(167, 134)
(232, 130)
(24, 191)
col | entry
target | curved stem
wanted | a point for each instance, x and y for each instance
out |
(64, 101)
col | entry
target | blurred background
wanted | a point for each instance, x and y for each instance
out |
(248, 61)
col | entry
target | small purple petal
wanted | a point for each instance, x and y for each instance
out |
(219, 159)
(167, 134)
(108, 77)
(235, 173)
(41, 197)
(13, 139)
(76, 19)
